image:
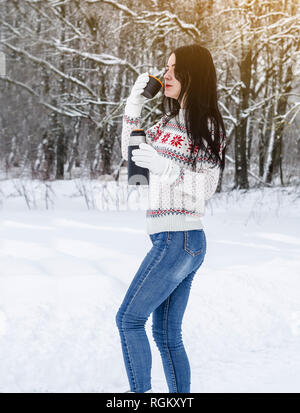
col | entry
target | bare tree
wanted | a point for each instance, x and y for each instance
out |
(71, 65)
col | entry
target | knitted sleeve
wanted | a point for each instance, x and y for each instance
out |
(128, 124)
(134, 122)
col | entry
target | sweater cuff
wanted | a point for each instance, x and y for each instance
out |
(133, 109)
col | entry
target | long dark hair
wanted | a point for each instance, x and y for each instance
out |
(195, 70)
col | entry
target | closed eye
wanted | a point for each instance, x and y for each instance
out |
(167, 68)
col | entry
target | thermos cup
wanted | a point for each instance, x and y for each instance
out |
(152, 87)
(137, 175)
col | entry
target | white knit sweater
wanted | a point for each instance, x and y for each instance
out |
(176, 200)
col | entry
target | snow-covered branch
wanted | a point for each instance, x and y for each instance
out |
(70, 113)
(45, 63)
(162, 16)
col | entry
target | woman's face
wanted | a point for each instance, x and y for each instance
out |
(172, 85)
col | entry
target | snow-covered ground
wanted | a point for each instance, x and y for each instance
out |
(64, 272)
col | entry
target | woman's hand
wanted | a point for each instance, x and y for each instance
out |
(148, 157)
(136, 100)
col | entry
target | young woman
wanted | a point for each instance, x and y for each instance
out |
(184, 153)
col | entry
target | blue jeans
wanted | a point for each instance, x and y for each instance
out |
(161, 286)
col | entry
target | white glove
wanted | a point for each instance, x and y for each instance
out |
(147, 157)
(135, 101)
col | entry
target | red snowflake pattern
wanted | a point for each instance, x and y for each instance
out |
(176, 141)
(166, 137)
(157, 134)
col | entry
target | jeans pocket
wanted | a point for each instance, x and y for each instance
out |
(195, 242)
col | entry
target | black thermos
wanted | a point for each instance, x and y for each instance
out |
(137, 175)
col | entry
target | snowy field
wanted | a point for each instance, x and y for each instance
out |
(64, 272)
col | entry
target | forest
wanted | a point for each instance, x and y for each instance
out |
(67, 68)
(73, 233)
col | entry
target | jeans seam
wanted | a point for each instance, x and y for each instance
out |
(128, 306)
(166, 340)
(168, 237)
